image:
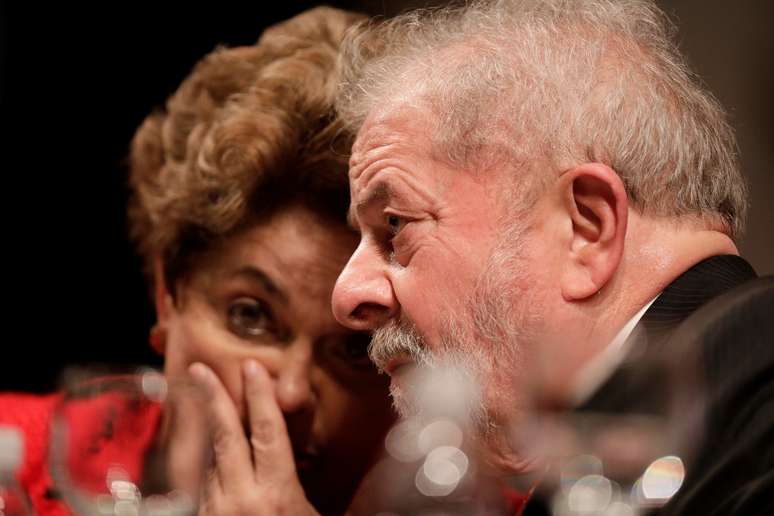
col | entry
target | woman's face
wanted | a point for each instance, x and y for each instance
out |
(265, 294)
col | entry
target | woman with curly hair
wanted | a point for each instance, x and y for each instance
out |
(238, 209)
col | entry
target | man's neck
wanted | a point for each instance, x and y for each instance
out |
(656, 252)
(596, 370)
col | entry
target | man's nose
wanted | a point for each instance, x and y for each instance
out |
(363, 298)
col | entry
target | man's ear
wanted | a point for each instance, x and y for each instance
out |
(595, 200)
(164, 307)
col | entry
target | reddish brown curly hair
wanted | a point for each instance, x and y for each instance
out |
(250, 130)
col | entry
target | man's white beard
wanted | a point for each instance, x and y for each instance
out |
(396, 338)
(479, 350)
(435, 385)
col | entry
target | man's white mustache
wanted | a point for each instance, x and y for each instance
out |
(397, 338)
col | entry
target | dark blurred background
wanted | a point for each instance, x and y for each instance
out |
(75, 82)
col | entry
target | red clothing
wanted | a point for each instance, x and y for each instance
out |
(516, 501)
(123, 436)
(31, 415)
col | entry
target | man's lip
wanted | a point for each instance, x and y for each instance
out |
(396, 363)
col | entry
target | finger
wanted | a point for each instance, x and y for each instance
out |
(231, 452)
(210, 492)
(272, 451)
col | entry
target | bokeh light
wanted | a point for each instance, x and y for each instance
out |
(590, 495)
(662, 479)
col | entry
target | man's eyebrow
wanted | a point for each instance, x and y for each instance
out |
(379, 193)
(257, 275)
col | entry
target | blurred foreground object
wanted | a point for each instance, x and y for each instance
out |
(107, 447)
(703, 421)
(13, 501)
(432, 464)
(98, 446)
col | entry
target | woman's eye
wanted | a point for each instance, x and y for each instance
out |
(249, 317)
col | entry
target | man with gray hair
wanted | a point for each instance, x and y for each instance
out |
(545, 196)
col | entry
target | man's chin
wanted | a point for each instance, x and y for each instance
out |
(437, 391)
(401, 401)
(486, 432)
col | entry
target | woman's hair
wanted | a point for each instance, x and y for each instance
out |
(252, 129)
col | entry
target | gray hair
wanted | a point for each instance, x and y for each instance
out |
(557, 81)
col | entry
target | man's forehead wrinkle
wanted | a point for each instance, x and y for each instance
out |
(372, 143)
(370, 163)
(378, 193)
(399, 131)
(400, 115)
(415, 193)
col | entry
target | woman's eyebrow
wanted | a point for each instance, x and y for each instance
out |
(258, 276)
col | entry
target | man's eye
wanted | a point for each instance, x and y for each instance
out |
(395, 224)
(249, 317)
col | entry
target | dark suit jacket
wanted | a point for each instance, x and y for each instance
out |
(703, 362)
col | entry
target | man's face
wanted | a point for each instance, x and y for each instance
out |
(431, 273)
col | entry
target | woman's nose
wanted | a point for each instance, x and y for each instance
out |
(363, 298)
(294, 389)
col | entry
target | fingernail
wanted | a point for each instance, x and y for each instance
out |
(251, 367)
(199, 372)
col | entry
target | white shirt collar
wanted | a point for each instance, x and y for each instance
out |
(601, 366)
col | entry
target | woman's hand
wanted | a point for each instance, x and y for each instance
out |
(256, 477)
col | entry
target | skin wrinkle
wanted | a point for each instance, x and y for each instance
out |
(526, 277)
(358, 185)
(374, 170)
(488, 320)
(379, 207)
(242, 169)
(633, 41)
(383, 193)
(256, 275)
(595, 324)
(303, 270)
(362, 162)
(201, 331)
